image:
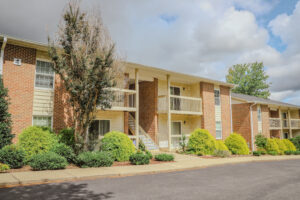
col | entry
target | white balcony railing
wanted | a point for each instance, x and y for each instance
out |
(275, 123)
(295, 123)
(180, 104)
(123, 100)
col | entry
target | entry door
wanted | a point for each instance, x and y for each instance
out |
(176, 128)
(175, 102)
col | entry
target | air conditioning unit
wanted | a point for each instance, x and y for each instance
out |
(17, 61)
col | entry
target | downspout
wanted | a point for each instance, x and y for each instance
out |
(2, 54)
(251, 121)
(231, 127)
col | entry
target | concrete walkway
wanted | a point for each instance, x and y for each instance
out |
(183, 162)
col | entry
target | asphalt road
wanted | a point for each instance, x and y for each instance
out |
(260, 180)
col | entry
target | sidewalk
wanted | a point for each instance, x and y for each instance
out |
(183, 162)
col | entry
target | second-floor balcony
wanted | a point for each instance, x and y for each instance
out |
(180, 105)
(277, 123)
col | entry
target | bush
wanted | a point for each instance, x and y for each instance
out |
(273, 153)
(142, 146)
(260, 141)
(296, 142)
(296, 152)
(4, 167)
(67, 137)
(281, 146)
(256, 153)
(288, 152)
(149, 154)
(164, 157)
(13, 156)
(36, 140)
(119, 144)
(221, 153)
(237, 144)
(262, 151)
(139, 158)
(289, 145)
(201, 141)
(47, 161)
(95, 159)
(272, 146)
(221, 146)
(64, 151)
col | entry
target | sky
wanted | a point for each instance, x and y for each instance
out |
(199, 37)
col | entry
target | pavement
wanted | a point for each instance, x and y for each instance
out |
(250, 181)
(182, 162)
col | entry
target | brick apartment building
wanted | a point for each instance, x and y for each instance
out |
(163, 104)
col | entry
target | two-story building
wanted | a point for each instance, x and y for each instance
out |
(163, 104)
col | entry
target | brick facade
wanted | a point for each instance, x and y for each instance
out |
(19, 80)
(225, 111)
(148, 107)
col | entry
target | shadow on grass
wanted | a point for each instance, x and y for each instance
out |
(63, 191)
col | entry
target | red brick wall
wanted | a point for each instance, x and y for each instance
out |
(20, 83)
(62, 111)
(274, 114)
(208, 120)
(241, 120)
(148, 107)
(225, 111)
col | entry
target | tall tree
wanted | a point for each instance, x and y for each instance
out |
(5, 118)
(251, 79)
(84, 58)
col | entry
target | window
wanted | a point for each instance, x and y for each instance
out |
(175, 102)
(44, 75)
(176, 128)
(217, 97)
(99, 128)
(42, 121)
(218, 130)
(259, 113)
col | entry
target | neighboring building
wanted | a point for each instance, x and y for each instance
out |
(164, 104)
(253, 115)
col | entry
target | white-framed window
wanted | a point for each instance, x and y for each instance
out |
(259, 113)
(44, 75)
(218, 130)
(42, 121)
(176, 128)
(99, 128)
(217, 97)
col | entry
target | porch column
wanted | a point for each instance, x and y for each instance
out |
(169, 113)
(281, 121)
(137, 124)
(290, 123)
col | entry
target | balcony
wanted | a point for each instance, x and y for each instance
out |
(275, 123)
(180, 105)
(295, 123)
(124, 100)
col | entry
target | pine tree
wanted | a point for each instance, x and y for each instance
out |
(5, 118)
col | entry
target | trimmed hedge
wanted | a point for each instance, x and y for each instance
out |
(164, 157)
(36, 140)
(289, 145)
(272, 146)
(281, 146)
(13, 156)
(47, 161)
(201, 142)
(237, 144)
(94, 159)
(221, 146)
(64, 151)
(4, 167)
(139, 158)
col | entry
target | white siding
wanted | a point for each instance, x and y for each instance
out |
(116, 119)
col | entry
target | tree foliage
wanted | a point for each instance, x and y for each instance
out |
(5, 118)
(84, 58)
(251, 79)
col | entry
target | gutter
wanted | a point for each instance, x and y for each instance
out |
(251, 121)
(2, 54)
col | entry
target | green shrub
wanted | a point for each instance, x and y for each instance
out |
(118, 144)
(67, 137)
(221, 153)
(262, 151)
(281, 146)
(4, 167)
(296, 142)
(289, 145)
(296, 152)
(64, 151)
(35, 140)
(95, 159)
(256, 153)
(47, 161)
(221, 146)
(13, 156)
(201, 141)
(272, 146)
(288, 152)
(164, 157)
(260, 141)
(273, 153)
(237, 144)
(139, 158)
(149, 154)
(142, 146)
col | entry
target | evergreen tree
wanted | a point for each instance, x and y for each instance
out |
(5, 118)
